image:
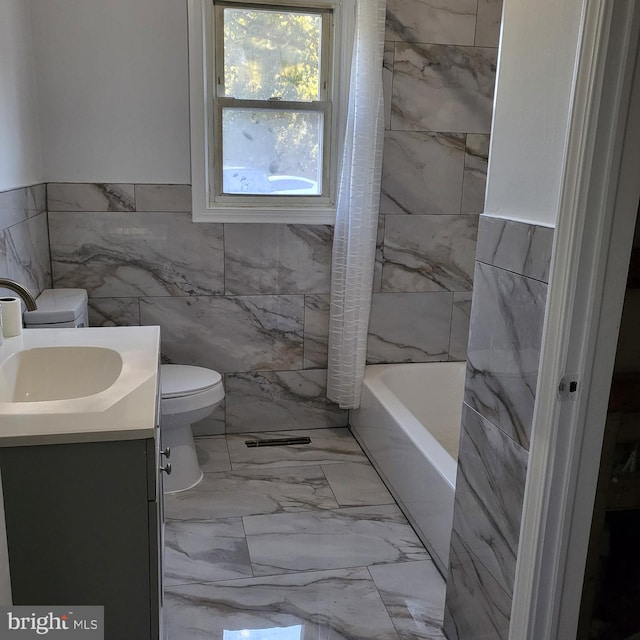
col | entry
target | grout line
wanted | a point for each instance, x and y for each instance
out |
(464, 172)
(384, 604)
(246, 544)
(333, 493)
(512, 271)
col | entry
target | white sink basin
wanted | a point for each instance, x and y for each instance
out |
(79, 385)
(58, 373)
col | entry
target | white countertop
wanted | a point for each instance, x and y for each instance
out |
(126, 410)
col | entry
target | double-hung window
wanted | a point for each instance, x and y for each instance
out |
(265, 109)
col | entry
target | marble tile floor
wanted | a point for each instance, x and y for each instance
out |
(294, 543)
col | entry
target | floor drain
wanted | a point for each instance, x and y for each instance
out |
(277, 442)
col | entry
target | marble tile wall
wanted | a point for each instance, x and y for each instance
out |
(249, 300)
(24, 239)
(252, 300)
(439, 73)
(507, 316)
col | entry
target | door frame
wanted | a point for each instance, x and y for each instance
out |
(592, 248)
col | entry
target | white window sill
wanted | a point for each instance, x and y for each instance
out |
(266, 215)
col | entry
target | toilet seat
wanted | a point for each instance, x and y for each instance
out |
(179, 380)
(188, 390)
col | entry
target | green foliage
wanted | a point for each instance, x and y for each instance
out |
(271, 54)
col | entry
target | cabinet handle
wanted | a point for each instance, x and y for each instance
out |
(166, 468)
(166, 452)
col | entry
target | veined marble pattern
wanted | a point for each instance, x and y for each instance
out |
(327, 446)
(475, 173)
(356, 484)
(504, 349)
(163, 197)
(422, 172)
(413, 593)
(115, 255)
(443, 88)
(343, 603)
(114, 312)
(434, 21)
(316, 331)
(229, 334)
(429, 253)
(205, 552)
(492, 471)
(64, 196)
(36, 199)
(27, 253)
(460, 319)
(213, 454)
(516, 246)
(387, 81)
(277, 258)
(377, 267)
(213, 425)
(488, 23)
(272, 400)
(409, 327)
(17, 205)
(350, 537)
(4, 264)
(149, 270)
(244, 492)
(476, 608)
(335, 605)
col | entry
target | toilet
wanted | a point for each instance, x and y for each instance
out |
(189, 394)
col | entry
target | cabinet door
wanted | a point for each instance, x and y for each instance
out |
(156, 532)
(78, 529)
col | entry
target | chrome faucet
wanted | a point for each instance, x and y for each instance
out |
(22, 291)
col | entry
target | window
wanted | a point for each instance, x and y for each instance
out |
(265, 108)
(272, 115)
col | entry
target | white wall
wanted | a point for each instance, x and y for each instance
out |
(531, 114)
(113, 88)
(20, 153)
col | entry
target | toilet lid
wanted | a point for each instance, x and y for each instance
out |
(183, 380)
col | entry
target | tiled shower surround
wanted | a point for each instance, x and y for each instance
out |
(439, 72)
(509, 302)
(24, 242)
(251, 300)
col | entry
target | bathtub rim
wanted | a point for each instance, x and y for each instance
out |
(444, 463)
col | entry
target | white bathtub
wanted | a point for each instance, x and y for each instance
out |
(409, 425)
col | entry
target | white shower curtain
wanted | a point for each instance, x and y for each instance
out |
(354, 244)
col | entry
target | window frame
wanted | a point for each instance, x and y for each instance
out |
(205, 60)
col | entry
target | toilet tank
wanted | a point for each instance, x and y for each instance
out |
(58, 308)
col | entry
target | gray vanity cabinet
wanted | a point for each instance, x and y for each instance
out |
(84, 528)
